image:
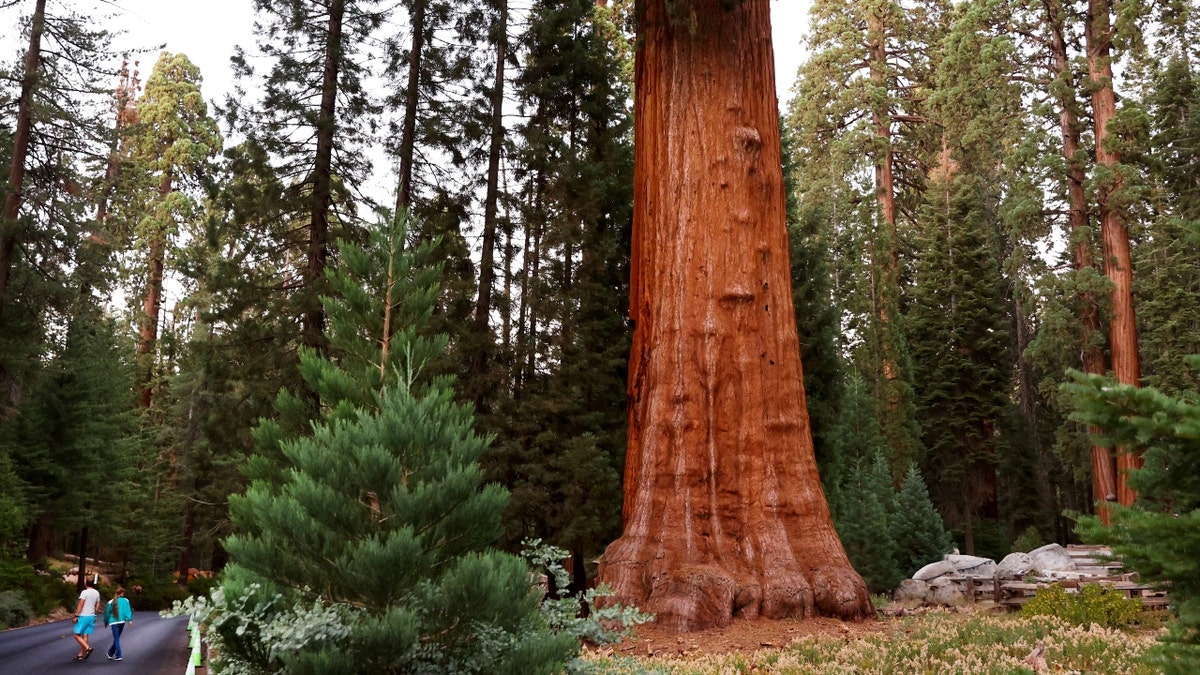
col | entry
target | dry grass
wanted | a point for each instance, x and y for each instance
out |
(935, 642)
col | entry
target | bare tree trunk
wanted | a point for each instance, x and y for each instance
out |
(185, 553)
(152, 302)
(487, 273)
(40, 535)
(80, 580)
(313, 325)
(1118, 263)
(724, 515)
(1104, 467)
(412, 97)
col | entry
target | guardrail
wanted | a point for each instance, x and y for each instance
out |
(196, 659)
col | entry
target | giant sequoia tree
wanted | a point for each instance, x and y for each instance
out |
(724, 513)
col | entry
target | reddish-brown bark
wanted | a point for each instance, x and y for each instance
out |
(1104, 466)
(724, 513)
(21, 137)
(1118, 263)
(152, 301)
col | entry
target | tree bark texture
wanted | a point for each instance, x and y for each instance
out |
(152, 301)
(487, 261)
(1118, 263)
(313, 325)
(21, 137)
(1104, 465)
(412, 98)
(724, 515)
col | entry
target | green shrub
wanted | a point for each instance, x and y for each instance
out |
(14, 609)
(1092, 604)
(43, 593)
(202, 586)
(1160, 535)
(1030, 539)
(157, 597)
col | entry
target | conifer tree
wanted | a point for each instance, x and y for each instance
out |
(857, 114)
(562, 432)
(1168, 287)
(817, 310)
(864, 523)
(53, 132)
(169, 148)
(74, 442)
(916, 527)
(960, 349)
(854, 441)
(381, 514)
(1159, 536)
(311, 122)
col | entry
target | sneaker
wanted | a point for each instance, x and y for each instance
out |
(117, 658)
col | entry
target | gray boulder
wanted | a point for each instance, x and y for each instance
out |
(969, 565)
(911, 593)
(935, 570)
(943, 591)
(1051, 558)
(1014, 566)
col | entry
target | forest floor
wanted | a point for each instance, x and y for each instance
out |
(739, 636)
(971, 639)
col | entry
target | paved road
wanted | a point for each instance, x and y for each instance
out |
(151, 646)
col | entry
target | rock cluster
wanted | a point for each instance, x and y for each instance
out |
(951, 580)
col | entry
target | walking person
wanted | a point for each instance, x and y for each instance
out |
(85, 618)
(117, 613)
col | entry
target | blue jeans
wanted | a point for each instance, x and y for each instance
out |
(115, 650)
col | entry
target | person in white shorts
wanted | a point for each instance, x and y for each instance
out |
(85, 618)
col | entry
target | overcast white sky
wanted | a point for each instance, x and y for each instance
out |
(208, 31)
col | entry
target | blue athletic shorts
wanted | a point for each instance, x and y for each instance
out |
(84, 625)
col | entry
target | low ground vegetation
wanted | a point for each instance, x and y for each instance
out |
(934, 641)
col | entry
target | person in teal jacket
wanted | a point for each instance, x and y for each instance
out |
(117, 613)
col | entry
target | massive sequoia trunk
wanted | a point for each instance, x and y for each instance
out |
(724, 513)
(1118, 263)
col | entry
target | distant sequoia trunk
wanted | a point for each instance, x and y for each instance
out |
(724, 513)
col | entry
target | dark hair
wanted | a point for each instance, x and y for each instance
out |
(91, 583)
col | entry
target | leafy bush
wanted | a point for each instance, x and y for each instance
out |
(1028, 540)
(14, 609)
(257, 627)
(202, 586)
(606, 622)
(1092, 604)
(43, 593)
(156, 597)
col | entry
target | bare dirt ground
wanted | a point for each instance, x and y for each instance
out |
(739, 636)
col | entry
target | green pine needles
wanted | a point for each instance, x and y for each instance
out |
(370, 549)
(1160, 535)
